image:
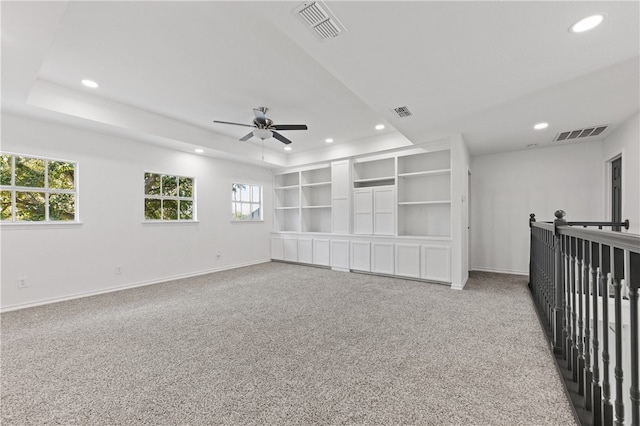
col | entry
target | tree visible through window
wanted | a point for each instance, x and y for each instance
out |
(246, 202)
(37, 189)
(168, 197)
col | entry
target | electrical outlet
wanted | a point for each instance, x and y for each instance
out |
(118, 269)
(22, 283)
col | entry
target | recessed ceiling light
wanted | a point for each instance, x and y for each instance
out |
(586, 24)
(199, 150)
(541, 126)
(90, 83)
(379, 126)
(287, 148)
(328, 140)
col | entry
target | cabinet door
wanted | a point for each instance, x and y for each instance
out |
(291, 249)
(383, 207)
(382, 258)
(340, 215)
(340, 187)
(321, 252)
(340, 255)
(408, 260)
(363, 211)
(305, 250)
(277, 248)
(436, 263)
(361, 256)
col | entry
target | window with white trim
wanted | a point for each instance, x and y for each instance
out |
(168, 197)
(246, 202)
(35, 189)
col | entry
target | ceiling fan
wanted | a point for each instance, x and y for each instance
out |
(264, 128)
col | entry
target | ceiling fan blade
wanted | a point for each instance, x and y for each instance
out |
(247, 136)
(259, 113)
(235, 124)
(289, 127)
(281, 138)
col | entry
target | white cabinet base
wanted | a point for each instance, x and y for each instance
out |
(382, 258)
(277, 248)
(361, 256)
(291, 249)
(305, 250)
(321, 252)
(436, 263)
(408, 260)
(340, 255)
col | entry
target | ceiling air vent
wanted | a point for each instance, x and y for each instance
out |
(589, 132)
(319, 19)
(402, 111)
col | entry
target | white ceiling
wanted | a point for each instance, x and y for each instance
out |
(487, 70)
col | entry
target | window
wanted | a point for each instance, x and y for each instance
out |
(246, 202)
(36, 189)
(168, 197)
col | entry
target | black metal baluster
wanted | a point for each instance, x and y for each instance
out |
(588, 284)
(618, 274)
(568, 353)
(574, 329)
(580, 296)
(634, 284)
(607, 408)
(596, 392)
(558, 291)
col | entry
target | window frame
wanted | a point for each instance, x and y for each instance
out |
(164, 198)
(13, 189)
(260, 203)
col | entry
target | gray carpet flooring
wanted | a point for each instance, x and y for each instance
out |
(281, 344)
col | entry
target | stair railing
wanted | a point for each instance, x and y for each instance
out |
(584, 283)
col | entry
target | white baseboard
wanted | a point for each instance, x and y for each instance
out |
(123, 287)
(501, 271)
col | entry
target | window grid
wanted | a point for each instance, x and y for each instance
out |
(45, 189)
(184, 208)
(246, 202)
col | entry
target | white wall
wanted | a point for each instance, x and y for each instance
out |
(69, 260)
(506, 188)
(625, 140)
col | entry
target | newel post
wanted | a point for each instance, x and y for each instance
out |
(558, 281)
(532, 218)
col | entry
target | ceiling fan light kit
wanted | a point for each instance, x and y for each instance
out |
(265, 128)
(262, 133)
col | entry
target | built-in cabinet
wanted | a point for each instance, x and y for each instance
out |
(422, 260)
(388, 214)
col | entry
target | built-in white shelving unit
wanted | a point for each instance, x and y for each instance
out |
(287, 202)
(303, 201)
(387, 214)
(424, 194)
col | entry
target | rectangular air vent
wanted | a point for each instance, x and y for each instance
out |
(402, 111)
(589, 132)
(319, 19)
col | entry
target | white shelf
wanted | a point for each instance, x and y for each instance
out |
(316, 184)
(425, 173)
(287, 187)
(317, 207)
(287, 208)
(418, 203)
(374, 179)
